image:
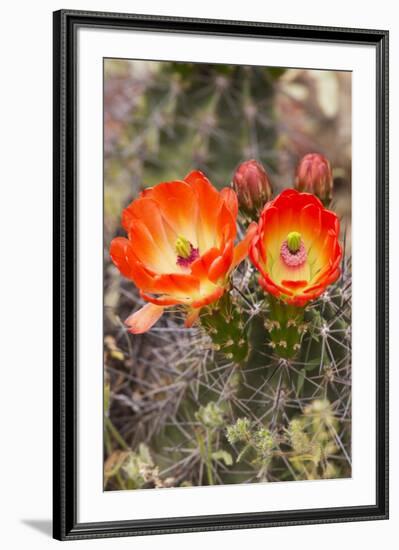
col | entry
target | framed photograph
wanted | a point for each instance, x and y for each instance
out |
(220, 274)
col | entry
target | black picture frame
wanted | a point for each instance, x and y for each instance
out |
(66, 23)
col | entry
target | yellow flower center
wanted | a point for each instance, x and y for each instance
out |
(183, 247)
(186, 253)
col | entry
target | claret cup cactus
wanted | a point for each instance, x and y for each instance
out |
(253, 383)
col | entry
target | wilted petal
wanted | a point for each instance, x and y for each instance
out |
(143, 319)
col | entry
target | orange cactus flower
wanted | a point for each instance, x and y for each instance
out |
(296, 247)
(180, 247)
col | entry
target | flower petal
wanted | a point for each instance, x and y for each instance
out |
(221, 266)
(178, 204)
(206, 300)
(143, 319)
(310, 222)
(120, 250)
(147, 249)
(241, 250)
(294, 284)
(209, 203)
(200, 267)
(226, 228)
(230, 198)
(148, 212)
(274, 289)
(122, 254)
(160, 300)
(178, 284)
(192, 318)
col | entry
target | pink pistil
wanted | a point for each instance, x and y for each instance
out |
(293, 259)
(185, 262)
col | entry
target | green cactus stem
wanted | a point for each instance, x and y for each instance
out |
(285, 324)
(224, 322)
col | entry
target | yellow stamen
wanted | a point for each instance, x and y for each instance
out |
(182, 247)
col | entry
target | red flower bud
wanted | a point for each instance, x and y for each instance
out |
(314, 175)
(253, 187)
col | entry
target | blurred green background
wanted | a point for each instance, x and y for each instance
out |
(163, 119)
